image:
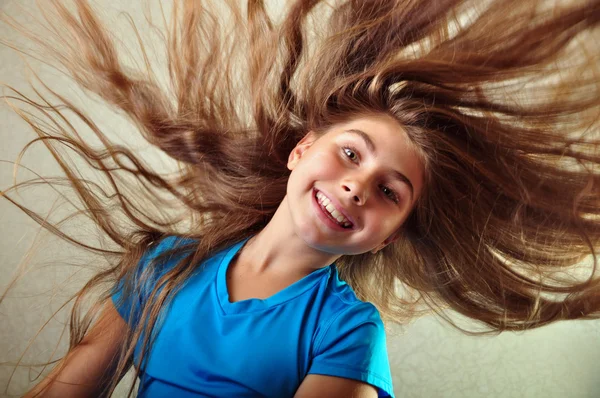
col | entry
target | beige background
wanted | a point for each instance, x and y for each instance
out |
(429, 360)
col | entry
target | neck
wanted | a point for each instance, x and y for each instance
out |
(277, 249)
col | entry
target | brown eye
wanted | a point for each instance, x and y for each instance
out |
(351, 153)
(389, 193)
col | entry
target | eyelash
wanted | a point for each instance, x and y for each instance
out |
(393, 196)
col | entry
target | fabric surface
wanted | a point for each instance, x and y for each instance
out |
(209, 347)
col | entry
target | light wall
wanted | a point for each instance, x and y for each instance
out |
(429, 360)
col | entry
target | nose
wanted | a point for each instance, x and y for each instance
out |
(357, 191)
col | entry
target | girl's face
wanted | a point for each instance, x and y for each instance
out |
(368, 172)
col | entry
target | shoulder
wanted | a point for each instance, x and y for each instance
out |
(342, 305)
(168, 243)
(161, 253)
(155, 261)
(350, 340)
(354, 320)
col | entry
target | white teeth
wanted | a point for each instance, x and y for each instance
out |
(332, 210)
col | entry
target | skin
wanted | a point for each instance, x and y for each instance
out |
(296, 241)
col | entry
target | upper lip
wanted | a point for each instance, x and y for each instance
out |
(337, 206)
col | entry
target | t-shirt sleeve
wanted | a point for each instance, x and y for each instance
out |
(130, 302)
(353, 346)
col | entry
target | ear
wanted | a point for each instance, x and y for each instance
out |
(392, 238)
(299, 149)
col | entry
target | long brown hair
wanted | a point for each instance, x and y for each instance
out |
(501, 99)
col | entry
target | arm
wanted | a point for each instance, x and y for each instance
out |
(315, 385)
(93, 359)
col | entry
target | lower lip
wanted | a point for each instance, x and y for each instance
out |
(326, 217)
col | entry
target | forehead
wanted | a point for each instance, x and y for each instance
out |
(377, 126)
(386, 135)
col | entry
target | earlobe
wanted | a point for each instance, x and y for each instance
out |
(374, 251)
(392, 238)
(298, 151)
(294, 157)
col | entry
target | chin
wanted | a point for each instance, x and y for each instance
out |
(311, 236)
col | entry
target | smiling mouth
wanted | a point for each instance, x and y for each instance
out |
(344, 224)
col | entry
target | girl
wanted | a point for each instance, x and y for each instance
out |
(340, 168)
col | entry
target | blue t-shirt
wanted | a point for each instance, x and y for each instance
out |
(207, 346)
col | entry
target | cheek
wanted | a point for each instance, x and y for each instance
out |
(385, 223)
(326, 164)
(320, 166)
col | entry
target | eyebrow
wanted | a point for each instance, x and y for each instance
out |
(371, 147)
